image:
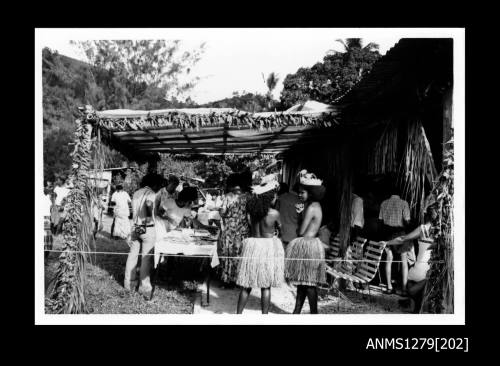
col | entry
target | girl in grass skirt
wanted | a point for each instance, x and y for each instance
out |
(305, 255)
(262, 262)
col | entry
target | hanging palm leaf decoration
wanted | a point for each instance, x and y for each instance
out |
(417, 168)
(438, 294)
(383, 158)
(66, 293)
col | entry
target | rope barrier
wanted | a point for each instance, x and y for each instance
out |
(234, 257)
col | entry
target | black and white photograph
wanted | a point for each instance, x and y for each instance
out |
(250, 176)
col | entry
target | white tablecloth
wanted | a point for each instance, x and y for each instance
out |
(165, 246)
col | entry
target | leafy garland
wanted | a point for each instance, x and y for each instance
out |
(66, 294)
(176, 119)
(438, 296)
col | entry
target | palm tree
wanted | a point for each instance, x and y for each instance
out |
(271, 82)
(353, 43)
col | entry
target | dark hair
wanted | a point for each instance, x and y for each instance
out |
(232, 181)
(119, 187)
(296, 187)
(173, 179)
(151, 180)
(428, 212)
(258, 205)
(284, 188)
(394, 188)
(355, 188)
(188, 194)
(245, 180)
(316, 193)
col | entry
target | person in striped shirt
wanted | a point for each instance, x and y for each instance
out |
(395, 217)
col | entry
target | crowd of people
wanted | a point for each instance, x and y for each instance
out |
(269, 234)
(53, 203)
(390, 222)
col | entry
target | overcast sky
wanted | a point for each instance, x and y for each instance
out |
(235, 59)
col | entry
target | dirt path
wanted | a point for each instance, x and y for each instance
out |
(224, 301)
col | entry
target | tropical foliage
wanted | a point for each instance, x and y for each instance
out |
(248, 102)
(330, 79)
(66, 292)
(145, 72)
(438, 297)
(138, 74)
(271, 83)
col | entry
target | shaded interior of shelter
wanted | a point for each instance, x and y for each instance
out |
(413, 82)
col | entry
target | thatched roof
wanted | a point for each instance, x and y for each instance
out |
(208, 130)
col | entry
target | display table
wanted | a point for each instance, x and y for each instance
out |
(183, 243)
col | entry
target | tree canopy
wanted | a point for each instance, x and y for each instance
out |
(119, 74)
(325, 81)
(248, 102)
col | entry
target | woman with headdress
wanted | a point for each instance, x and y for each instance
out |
(235, 228)
(305, 255)
(262, 258)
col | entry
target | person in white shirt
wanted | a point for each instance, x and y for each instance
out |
(120, 201)
(97, 208)
(167, 193)
(357, 224)
(168, 189)
(395, 217)
(357, 215)
(61, 191)
(173, 211)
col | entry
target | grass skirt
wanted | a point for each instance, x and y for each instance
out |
(262, 263)
(309, 272)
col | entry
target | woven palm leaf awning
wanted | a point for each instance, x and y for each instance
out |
(210, 131)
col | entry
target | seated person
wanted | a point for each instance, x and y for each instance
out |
(418, 272)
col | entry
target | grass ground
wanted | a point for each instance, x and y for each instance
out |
(104, 292)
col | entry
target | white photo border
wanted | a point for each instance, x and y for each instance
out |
(458, 318)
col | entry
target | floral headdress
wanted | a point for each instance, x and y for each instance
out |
(267, 183)
(309, 179)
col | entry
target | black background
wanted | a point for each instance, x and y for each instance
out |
(227, 344)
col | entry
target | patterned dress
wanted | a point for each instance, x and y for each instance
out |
(235, 230)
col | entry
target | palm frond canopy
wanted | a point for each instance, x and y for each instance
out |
(353, 43)
(212, 131)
